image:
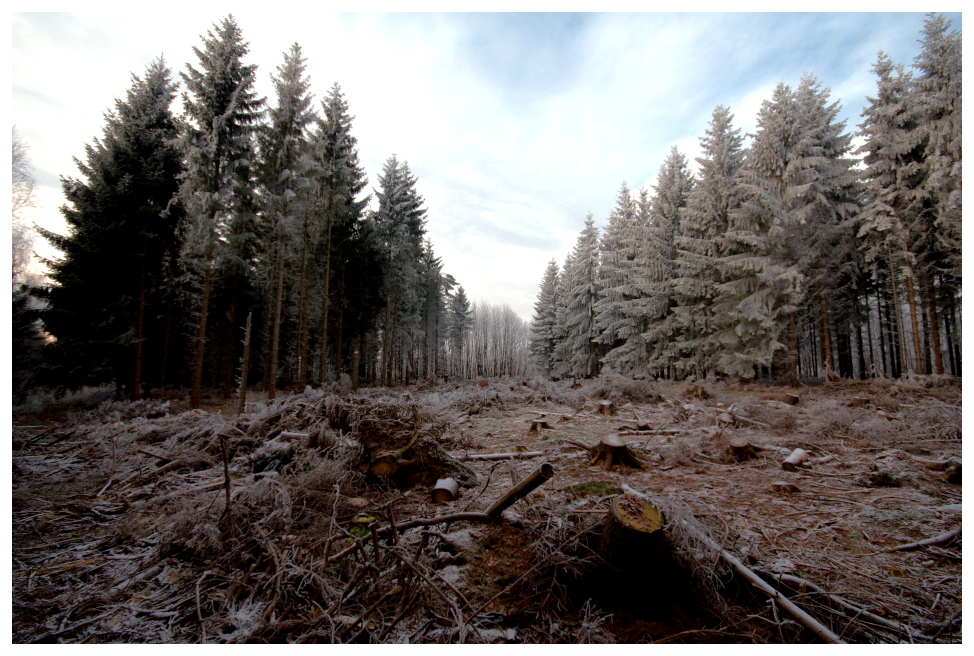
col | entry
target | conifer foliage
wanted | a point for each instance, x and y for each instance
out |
(783, 258)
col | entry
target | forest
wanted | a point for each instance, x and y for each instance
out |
(798, 257)
(251, 407)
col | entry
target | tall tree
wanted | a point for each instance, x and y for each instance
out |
(221, 112)
(120, 228)
(338, 181)
(581, 292)
(543, 340)
(285, 160)
(22, 194)
(703, 222)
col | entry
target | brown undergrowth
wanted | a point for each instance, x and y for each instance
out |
(121, 530)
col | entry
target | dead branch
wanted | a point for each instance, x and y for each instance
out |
(498, 456)
(522, 489)
(943, 538)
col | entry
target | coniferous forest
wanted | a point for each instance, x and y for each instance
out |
(798, 256)
(184, 228)
(734, 418)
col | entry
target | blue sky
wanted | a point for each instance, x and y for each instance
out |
(516, 125)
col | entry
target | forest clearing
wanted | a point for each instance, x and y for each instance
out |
(149, 522)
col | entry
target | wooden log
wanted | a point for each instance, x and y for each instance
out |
(522, 489)
(943, 538)
(288, 435)
(446, 489)
(498, 456)
(795, 460)
(740, 449)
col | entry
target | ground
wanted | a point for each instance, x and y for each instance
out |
(120, 529)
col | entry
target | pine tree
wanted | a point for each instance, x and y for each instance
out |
(704, 220)
(221, 110)
(579, 349)
(542, 338)
(285, 161)
(399, 227)
(460, 323)
(657, 261)
(616, 326)
(338, 182)
(106, 285)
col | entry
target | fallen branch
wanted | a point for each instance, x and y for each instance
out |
(497, 456)
(943, 538)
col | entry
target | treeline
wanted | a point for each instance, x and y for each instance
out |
(788, 258)
(186, 228)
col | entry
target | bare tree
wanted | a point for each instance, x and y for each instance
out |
(22, 190)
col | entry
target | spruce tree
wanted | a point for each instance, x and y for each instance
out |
(285, 161)
(106, 297)
(704, 220)
(542, 335)
(579, 349)
(221, 111)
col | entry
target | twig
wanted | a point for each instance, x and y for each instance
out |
(226, 477)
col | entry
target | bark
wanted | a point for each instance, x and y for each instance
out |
(196, 396)
(826, 333)
(522, 489)
(303, 323)
(242, 403)
(896, 310)
(338, 328)
(934, 329)
(323, 365)
(231, 338)
(793, 348)
(911, 299)
(139, 324)
(276, 322)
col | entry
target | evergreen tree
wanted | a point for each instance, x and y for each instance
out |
(338, 210)
(704, 220)
(542, 336)
(460, 322)
(617, 328)
(657, 262)
(580, 349)
(399, 228)
(221, 110)
(285, 161)
(106, 293)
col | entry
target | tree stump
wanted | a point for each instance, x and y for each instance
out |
(606, 408)
(696, 391)
(537, 425)
(740, 449)
(612, 450)
(421, 463)
(795, 460)
(632, 538)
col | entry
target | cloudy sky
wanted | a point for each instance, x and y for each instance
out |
(517, 125)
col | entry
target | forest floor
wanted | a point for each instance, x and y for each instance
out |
(120, 530)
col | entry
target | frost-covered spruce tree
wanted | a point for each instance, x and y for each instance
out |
(758, 291)
(108, 298)
(615, 325)
(704, 220)
(221, 110)
(400, 225)
(581, 292)
(561, 355)
(459, 322)
(937, 230)
(893, 148)
(542, 335)
(822, 200)
(656, 264)
(285, 161)
(338, 184)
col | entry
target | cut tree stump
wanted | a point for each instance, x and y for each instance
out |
(740, 449)
(537, 425)
(632, 538)
(612, 450)
(421, 463)
(696, 391)
(606, 408)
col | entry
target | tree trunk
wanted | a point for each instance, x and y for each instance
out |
(896, 310)
(338, 328)
(139, 323)
(793, 348)
(934, 329)
(911, 299)
(826, 334)
(231, 338)
(196, 396)
(276, 321)
(323, 365)
(245, 365)
(303, 323)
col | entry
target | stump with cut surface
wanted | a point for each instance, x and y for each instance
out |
(632, 539)
(421, 463)
(612, 450)
(740, 449)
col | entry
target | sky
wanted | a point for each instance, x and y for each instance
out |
(516, 125)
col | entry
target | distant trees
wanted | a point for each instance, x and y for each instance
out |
(181, 229)
(783, 258)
